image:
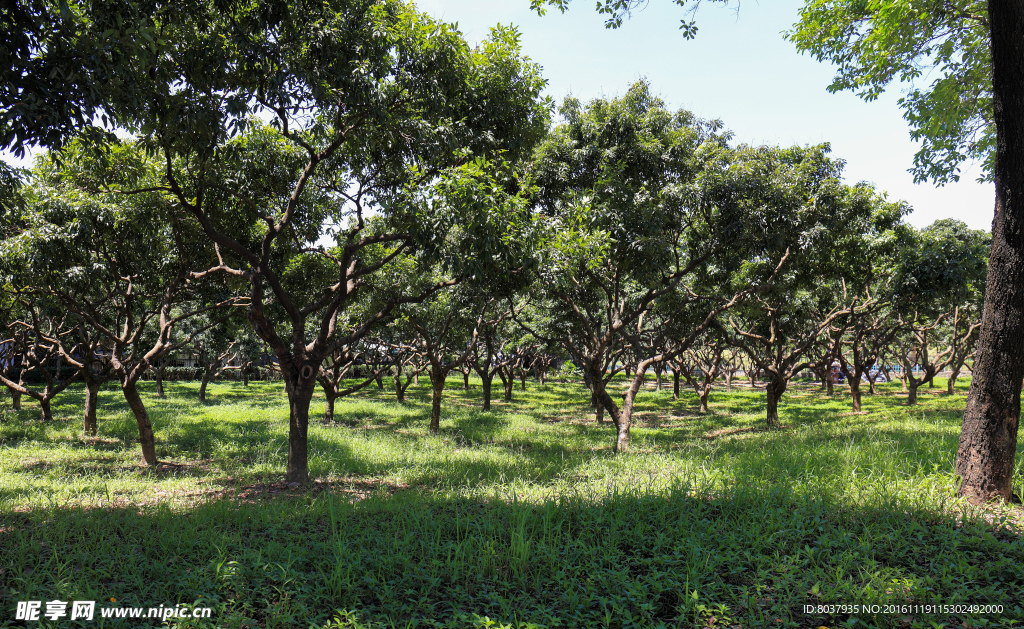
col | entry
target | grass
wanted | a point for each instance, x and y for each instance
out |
(519, 517)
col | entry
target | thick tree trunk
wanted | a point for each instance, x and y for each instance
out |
(988, 439)
(380, 382)
(728, 380)
(45, 414)
(829, 385)
(703, 394)
(675, 384)
(328, 408)
(437, 391)
(16, 400)
(486, 380)
(522, 381)
(465, 381)
(912, 390)
(146, 439)
(92, 393)
(951, 382)
(399, 389)
(774, 389)
(299, 396)
(855, 393)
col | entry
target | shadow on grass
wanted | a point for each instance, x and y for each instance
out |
(684, 556)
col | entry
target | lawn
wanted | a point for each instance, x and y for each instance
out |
(518, 517)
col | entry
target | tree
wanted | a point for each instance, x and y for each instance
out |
(118, 262)
(701, 367)
(942, 268)
(639, 238)
(974, 109)
(36, 341)
(815, 224)
(870, 266)
(447, 326)
(213, 347)
(493, 347)
(373, 108)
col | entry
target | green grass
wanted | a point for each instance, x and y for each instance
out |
(517, 517)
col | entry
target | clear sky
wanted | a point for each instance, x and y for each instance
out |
(738, 69)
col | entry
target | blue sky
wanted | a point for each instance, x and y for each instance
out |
(738, 69)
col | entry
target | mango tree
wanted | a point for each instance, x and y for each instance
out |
(365, 107)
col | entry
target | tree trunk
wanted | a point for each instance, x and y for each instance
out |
(329, 408)
(486, 380)
(245, 376)
(675, 384)
(705, 391)
(509, 383)
(16, 400)
(399, 389)
(657, 379)
(951, 382)
(380, 382)
(437, 390)
(92, 393)
(146, 439)
(988, 439)
(160, 379)
(300, 393)
(522, 381)
(829, 384)
(912, 390)
(728, 380)
(465, 381)
(855, 393)
(774, 390)
(620, 419)
(44, 410)
(202, 385)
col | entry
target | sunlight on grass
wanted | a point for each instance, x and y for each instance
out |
(509, 517)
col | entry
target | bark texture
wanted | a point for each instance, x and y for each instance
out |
(146, 439)
(988, 439)
(300, 393)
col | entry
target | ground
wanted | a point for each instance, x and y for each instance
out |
(521, 516)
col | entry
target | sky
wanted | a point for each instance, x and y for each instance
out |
(738, 69)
